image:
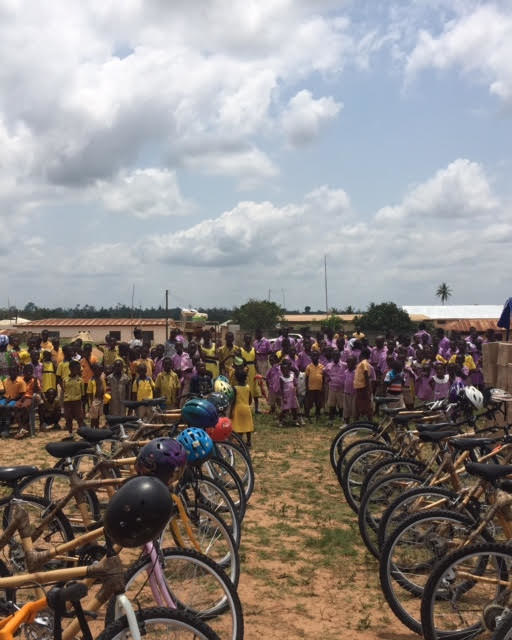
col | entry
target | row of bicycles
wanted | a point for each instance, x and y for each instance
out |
(432, 490)
(134, 530)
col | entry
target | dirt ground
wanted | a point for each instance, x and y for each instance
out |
(305, 573)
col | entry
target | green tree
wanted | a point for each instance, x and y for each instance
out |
(256, 314)
(385, 316)
(307, 309)
(443, 292)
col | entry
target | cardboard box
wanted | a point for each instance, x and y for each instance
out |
(504, 353)
(501, 378)
(490, 372)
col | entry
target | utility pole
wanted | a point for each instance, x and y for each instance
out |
(166, 315)
(325, 281)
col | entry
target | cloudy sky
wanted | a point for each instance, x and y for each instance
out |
(220, 148)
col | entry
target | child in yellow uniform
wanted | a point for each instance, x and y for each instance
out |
(142, 389)
(167, 384)
(248, 353)
(241, 415)
(48, 373)
(73, 396)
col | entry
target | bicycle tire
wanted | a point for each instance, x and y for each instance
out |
(406, 602)
(398, 511)
(391, 467)
(358, 465)
(337, 442)
(213, 496)
(197, 585)
(222, 472)
(351, 451)
(240, 462)
(378, 495)
(171, 620)
(446, 572)
(48, 477)
(209, 528)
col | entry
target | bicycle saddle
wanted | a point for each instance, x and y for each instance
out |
(112, 420)
(489, 471)
(468, 444)
(94, 435)
(436, 436)
(66, 449)
(8, 474)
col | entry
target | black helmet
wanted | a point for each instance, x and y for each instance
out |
(138, 512)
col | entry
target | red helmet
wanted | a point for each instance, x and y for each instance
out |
(221, 431)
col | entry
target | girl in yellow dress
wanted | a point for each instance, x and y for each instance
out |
(209, 355)
(248, 353)
(241, 415)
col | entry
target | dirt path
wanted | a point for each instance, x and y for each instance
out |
(305, 572)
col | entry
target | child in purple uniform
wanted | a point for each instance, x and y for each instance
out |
(349, 394)
(335, 372)
(273, 382)
(288, 394)
(424, 391)
(440, 382)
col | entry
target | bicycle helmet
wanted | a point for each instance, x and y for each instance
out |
(221, 386)
(197, 443)
(455, 390)
(473, 396)
(221, 431)
(164, 458)
(138, 512)
(198, 412)
(219, 400)
(4, 340)
(222, 378)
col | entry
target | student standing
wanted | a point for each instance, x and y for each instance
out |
(248, 353)
(241, 415)
(143, 389)
(118, 383)
(314, 386)
(335, 377)
(167, 385)
(73, 393)
(96, 394)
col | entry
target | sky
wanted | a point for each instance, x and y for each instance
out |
(220, 149)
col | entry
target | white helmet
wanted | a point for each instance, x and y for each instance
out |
(474, 397)
(4, 340)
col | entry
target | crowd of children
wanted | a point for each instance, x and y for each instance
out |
(328, 372)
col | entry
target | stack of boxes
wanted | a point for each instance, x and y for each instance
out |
(497, 368)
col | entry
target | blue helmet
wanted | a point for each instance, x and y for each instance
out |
(197, 444)
(198, 412)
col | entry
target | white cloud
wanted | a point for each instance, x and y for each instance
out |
(460, 191)
(304, 116)
(479, 42)
(144, 193)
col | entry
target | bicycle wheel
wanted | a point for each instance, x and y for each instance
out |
(212, 495)
(159, 623)
(386, 468)
(213, 536)
(53, 485)
(352, 450)
(195, 583)
(375, 501)
(467, 593)
(411, 502)
(349, 434)
(220, 471)
(410, 554)
(356, 469)
(240, 462)
(57, 531)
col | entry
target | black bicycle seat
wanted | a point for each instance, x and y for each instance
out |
(134, 404)
(65, 449)
(9, 474)
(489, 471)
(112, 420)
(468, 444)
(437, 436)
(94, 435)
(384, 399)
(391, 411)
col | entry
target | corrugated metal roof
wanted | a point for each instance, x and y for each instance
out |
(456, 311)
(480, 324)
(304, 318)
(97, 322)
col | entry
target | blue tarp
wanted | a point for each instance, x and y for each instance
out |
(504, 321)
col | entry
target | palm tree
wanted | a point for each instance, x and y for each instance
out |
(443, 292)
